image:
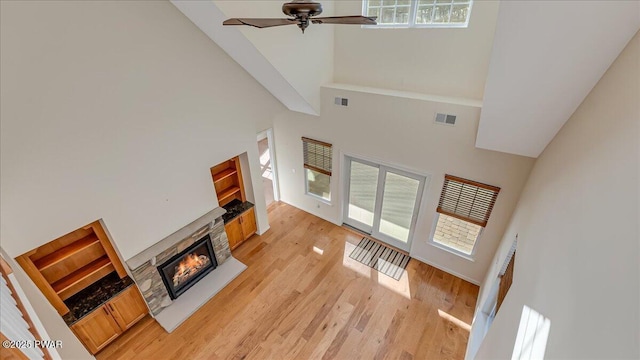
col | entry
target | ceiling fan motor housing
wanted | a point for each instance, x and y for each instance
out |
(302, 9)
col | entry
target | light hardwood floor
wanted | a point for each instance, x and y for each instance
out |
(302, 297)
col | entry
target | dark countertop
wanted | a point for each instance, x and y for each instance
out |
(234, 208)
(94, 296)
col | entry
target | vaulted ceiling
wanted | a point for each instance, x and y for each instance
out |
(530, 62)
(546, 58)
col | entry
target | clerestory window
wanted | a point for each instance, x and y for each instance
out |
(418, 13)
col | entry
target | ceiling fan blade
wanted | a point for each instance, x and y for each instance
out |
(260, 23)
(347, 20)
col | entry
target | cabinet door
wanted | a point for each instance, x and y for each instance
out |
(234, 233)
(97, 329)
(128, 307)
(248, 221)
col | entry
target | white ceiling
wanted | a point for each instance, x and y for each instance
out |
(547, 56)
(208, 17)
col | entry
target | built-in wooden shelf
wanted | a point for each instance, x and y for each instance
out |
(83, 277)
(66, 265)
(227, 193)
(227, 181)
(224, 174)
(65, 252)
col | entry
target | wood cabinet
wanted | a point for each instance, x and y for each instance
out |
(97, 329)
(248, 222)
(241, 228)
(227, 180)
(234, 233)
(106, 323)
(128, 308)
(70, 263)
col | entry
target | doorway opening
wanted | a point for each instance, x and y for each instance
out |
(268, 167)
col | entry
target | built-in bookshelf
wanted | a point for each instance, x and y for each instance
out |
(227, 180)
(70, 263)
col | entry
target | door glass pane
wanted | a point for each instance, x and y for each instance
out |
(362, 192)
(398, 204)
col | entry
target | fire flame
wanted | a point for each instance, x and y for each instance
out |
(188, 267)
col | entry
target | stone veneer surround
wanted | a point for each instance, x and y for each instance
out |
(144, 265)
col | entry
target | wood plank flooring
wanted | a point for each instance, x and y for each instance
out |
(302, 297)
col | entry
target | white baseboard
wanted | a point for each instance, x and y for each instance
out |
(310, 211)
(264, 231)
(456, 274)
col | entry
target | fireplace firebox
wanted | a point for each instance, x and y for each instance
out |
(185, 269)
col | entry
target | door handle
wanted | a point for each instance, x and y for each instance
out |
(110, 307)
(106, 311)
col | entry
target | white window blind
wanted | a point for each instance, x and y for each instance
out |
(467, 200)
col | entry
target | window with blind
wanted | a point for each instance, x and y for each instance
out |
(463, 210)
(318, 157)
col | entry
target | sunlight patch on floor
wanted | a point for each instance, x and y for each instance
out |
(459, 323)
(400, 287)
(348, 262)
(317, 250)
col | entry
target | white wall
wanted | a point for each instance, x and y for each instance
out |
(578, 246)
(116, 110)
(401, 132)
(304, 60)
(439, 61)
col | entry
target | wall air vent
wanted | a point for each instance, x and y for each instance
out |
(341, 101)
(445, 119)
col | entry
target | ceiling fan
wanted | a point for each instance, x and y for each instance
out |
(301, 13)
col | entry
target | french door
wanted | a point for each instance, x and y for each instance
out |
(382, 201)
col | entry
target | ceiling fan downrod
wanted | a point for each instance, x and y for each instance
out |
(302, 10)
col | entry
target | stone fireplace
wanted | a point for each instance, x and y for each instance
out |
(164, 282)
(184, 270)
